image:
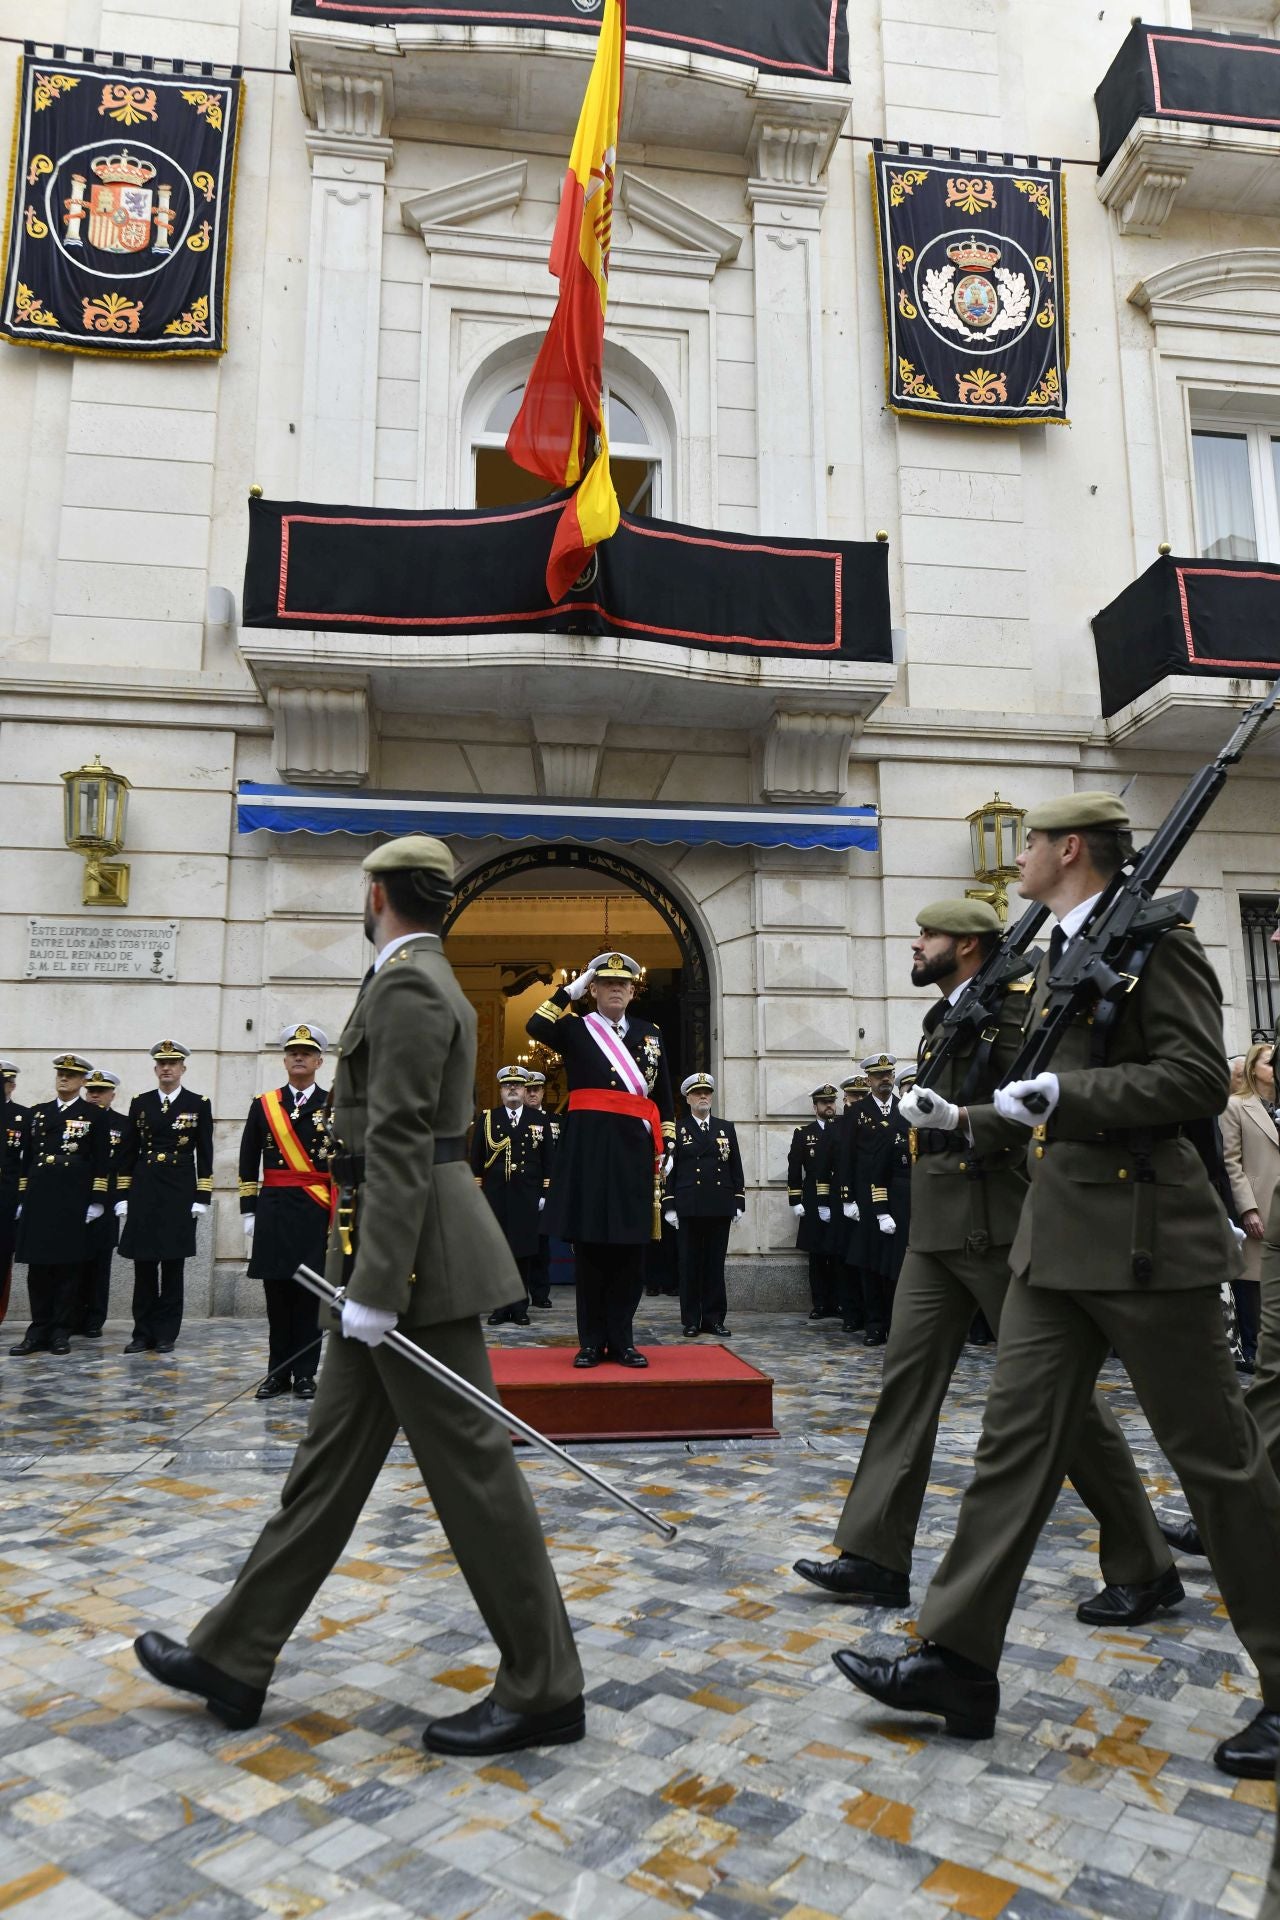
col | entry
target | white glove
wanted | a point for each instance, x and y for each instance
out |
(740, 1214)
(920, 1108)
(95, 1212)
(668, 1162)
(542, 1201)
(249, 1224)
(671, 1217)
(798, 1211)
(850, 1210)
(122, 1208)
(578, 987)
(824, 1214)
(1029, 1102)
(197, 1208)
(370, 1324)
(1239, 1232)
(887, 1223)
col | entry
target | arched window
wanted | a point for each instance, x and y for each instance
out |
(636, 447)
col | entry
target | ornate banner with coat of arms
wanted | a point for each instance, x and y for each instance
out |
(119, 223)
(973, 267)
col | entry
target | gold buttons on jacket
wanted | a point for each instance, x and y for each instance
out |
(1123, 1174)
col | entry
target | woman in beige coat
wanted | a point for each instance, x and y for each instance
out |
(1251, 1145)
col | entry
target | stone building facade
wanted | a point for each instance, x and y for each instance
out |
(389, 289)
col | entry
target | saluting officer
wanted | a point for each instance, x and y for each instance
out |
(809, 1173)
(166, 1183)
(1120, 1244)
(62, 1190)
(607, 1193)
(509, 1161)
(866, 1147)
(14, 1123)
(286, 1213)
(705, 1194)
(965, 1209)
(535, 1093)
(94, 1292)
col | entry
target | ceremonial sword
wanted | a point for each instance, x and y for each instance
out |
(476, 1397)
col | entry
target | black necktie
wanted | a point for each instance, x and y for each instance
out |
(1057, 941)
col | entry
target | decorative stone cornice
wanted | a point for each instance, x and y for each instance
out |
(789, 159)
(470, 199)
(566, 754)
(1181, 295)
(806, 757)
(1149, 202)
(322, 734)
(675, 220)
(349, 101)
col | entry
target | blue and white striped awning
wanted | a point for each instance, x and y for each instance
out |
(473, 817)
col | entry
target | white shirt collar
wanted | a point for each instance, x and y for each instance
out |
(1072, 922)
(301, 1095)
(64, 1104)
(513, 1113)
(955, 992)
(400, 941)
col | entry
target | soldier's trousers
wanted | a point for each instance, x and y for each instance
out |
(539, 1280)
(52, 1293)
(93, 1295)
(824, 1282)
(365, 1395)
(1263, 1399)
(157, 1301)
(932, 1313)
(703, 1245)
(1174, 1347)
(610, 1285)
(293, 1337)
(8, 1239)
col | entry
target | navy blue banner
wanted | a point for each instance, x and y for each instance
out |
(974, 276)
(119, 227)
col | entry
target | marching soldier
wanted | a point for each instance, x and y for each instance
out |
(1120, 1244)
(607, 1194)
(166, 1183)
(94, 1294)
(705, 1194)
(14, 1122)
(417, 1249)
(62, 1190)
(809, 1172)
(535, 1093)
(286, 1213)
(866, 1150)
(509, 1161)
(965, 1209)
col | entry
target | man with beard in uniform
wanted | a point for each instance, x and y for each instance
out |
(166, 1179)
(286, 1213)
(508, 1159)
(94, 1293)
(535, 1093)
(809, 1172)
(608, 1178)
(14, 1121)
(62, 1190)
(965, 1210)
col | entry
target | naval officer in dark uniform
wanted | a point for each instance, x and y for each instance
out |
(166, 1183)
(705, 1194)
(14, 1122)
(535, 1093)
(286, 1212)
(62, 1190)
(94, 1293)
(508, 1159)
(864, 1163)
(810, 1159)
(607, 1193)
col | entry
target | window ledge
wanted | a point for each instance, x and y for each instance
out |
(1193, 713)
(1207, 166)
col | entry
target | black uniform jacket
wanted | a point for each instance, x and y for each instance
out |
(602, 1188)
(890, 1191)
(104, 1233)
(512, 1161)
(65, 1170)
(166, 1165)
(290, 1228)
(866, 1138)
(15, 1125)
(705, 1182)
(809, 1170)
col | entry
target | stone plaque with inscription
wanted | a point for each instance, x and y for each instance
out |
(102, 949)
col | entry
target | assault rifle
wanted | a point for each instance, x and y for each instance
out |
(973, 1015)
(1103, 963)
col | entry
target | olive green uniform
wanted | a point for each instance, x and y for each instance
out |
(965, 1207)
(428, 1249)
(1118, 1234)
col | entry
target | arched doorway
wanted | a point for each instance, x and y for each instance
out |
(523, 922)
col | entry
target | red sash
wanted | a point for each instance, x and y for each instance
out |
(636, 1106)
(303, 1171)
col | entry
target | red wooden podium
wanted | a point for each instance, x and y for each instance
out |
(694, 1392)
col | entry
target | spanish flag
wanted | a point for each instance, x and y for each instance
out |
(564, 400)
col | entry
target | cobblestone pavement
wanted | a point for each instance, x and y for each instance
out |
(728, 1771)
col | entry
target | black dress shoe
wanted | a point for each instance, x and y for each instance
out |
(519, 1320)
(587, 1357)
(922, 1682)
(304, 1389)
(271, 1389)
(91, 1333)
(817, 1313)
(498, 1318)
(60, 1346)
(543, 1306)
(629, 1358)
(163, 1346)
(237, 1706)
(1252, 1754)
(1184, 1537)
(1130, 1606)
(853, 1326)
(488, 1728)
(720, 1330)
(26, 1346)
(691, 1332)
(874, 1337)
(852, 1578)
(136, 1346)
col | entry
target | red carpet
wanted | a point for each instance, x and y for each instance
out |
(698, 1392)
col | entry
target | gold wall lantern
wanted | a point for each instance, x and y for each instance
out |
(997, 835)
(96, 808)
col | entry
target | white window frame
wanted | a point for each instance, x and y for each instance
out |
(1259, 436)
(655, 450)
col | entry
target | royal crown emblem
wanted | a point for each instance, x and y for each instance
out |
(978, 308)
(122, 170)
(973, 255)
(123, 209)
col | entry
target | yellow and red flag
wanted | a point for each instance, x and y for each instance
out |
(564, 400)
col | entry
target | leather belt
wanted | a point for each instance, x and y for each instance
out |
(931, 1140)
(1131, 1137)
(348, 1168)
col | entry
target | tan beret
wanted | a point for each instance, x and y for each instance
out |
(958, 916)
(1074, 811)
(412, 853)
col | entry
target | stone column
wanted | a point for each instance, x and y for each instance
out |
(350, 112)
